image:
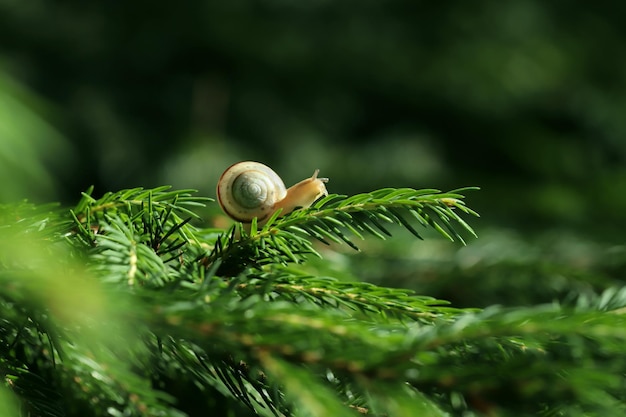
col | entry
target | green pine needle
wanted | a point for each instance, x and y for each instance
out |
(105, 303)
(338, 219)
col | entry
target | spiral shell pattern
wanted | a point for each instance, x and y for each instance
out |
(249, 189)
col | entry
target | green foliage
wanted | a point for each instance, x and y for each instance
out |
(124, 303)
(284, 239)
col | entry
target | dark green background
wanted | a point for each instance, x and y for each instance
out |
(524, 98)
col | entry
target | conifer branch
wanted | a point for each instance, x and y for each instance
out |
(327, 292)
(274, 339)
(511, 338)
(338, 219)
(157, 213)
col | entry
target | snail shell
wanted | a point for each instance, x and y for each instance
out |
(250, 189)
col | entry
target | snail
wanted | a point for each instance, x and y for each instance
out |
(250, 189)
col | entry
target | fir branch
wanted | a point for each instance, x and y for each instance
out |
(179, 359)
(327, 292)
(135, 236)
(121, 255)
(263, 338)
(279, 328)
(136, 233)
(505, 340)
(308, 393)
(537, 322)
(99, 376)
(364, 213)
(399, 399)
(157, 212)
(43, 222)
(333, 219)
(27, 357)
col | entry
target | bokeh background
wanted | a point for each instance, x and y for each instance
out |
(525, 99)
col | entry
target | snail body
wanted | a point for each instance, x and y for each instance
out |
(250, 189)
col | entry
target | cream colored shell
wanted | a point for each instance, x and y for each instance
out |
(250, 189)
